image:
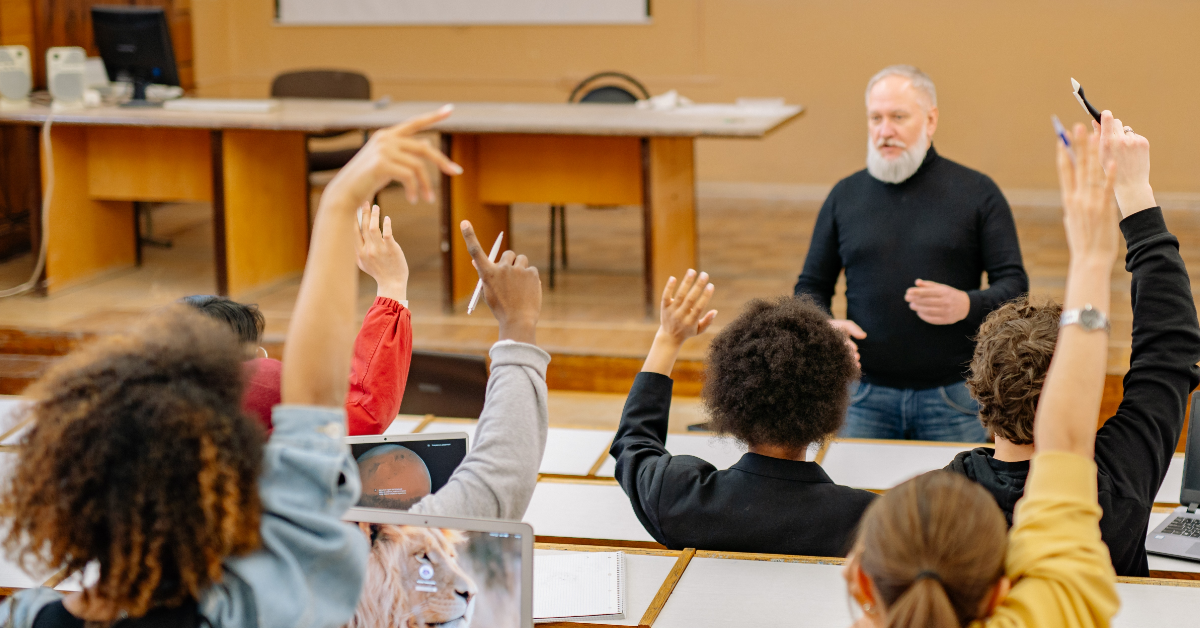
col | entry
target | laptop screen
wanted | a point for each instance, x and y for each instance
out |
(397, 473)
(1191, 457)
(444, 575)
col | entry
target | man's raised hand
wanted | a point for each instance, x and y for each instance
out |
(936, 303)
(682, 313)
(511, 289)
(380, 256)
(393, 154)
(1130, 153)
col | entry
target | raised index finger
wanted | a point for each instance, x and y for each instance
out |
(423, 121)
(473, 248)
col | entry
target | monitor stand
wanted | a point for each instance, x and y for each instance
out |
(139, 97)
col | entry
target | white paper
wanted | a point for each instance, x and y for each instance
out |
(581, 584)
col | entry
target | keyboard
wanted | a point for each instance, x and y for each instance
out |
(1182, 526)
(222, 105)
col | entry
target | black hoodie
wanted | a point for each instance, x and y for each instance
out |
(1134, 447)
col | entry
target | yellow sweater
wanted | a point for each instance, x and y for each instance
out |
(1060, 570)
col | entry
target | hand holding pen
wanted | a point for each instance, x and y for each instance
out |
(511, 288)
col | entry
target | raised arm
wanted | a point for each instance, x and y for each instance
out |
(317, 359)
(1070, 399)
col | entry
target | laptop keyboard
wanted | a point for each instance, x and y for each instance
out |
(1184, 527)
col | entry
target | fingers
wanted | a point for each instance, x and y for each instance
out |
(705, 322)
(423, 187)
(1066, 173)
(698, 288)
(478, 257)
(705, 296)
(387, 228)
(426, 150)
(506, 259)
(928, 284)
(689, 278)
(668, 291)
(423, 121)
(373, 230)
(855, 331)
(521, 262)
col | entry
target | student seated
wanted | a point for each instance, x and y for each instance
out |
(776, 380)
(382, 351)
(933, 553)
(142, 462)
(1134, 447)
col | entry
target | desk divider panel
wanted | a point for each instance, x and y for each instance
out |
(464, 203)
(149, 164)
(597, 170)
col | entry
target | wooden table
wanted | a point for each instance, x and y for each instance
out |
(253, 169)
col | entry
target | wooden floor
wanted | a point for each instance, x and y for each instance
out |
(751, 248)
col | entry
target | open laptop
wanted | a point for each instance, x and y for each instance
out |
(397, 470)
(445, 571)
(445, 385)
(1178, 535)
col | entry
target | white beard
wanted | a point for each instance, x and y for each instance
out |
(899, 168)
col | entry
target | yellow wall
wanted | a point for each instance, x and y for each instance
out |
(1001, 68)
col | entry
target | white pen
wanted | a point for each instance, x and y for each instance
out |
(479, 286)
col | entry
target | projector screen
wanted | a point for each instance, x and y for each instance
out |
(461, 12)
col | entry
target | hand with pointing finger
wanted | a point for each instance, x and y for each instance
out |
(938, 304)
(511, 289)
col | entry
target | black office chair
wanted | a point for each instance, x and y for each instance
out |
(602, 87)
(445, 385)
(338, 84)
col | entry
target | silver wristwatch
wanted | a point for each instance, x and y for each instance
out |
(1089, 318)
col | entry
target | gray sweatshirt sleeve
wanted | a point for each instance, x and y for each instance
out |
(497, 478)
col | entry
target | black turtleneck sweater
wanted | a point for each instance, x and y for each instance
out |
(1134, 447)
(946, 223)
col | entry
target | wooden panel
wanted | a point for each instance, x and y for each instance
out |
(149, 164)
(266, 213)
(20, 195)
(69, 23)
(560, 169)
(670, 210)
(87, 237)
(465, 204)
(16, 23)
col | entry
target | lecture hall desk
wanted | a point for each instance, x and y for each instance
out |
(252, 167)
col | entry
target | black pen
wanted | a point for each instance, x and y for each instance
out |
(1087, 106)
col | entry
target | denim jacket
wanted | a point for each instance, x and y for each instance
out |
(309, 571)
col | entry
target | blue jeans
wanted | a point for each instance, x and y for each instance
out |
(947, 413)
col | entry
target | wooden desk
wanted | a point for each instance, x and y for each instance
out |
(253, 168)
(595, 510)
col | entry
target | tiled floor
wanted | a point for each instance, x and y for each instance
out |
(751, 249)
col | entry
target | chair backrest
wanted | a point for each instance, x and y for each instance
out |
(445, 385)
(322, 84)
(611, 91)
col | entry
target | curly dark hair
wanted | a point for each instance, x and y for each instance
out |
(1012, 354)
(140, 458)
(778, 375)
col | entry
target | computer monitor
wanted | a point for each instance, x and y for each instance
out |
(135, 44)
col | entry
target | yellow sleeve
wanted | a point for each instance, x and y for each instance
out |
(1061, 573)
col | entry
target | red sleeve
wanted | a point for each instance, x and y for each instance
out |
(263, 377)
(382, 353)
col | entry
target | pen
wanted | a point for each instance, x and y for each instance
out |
(1083, 101)
(479, 286)
(1061, 131)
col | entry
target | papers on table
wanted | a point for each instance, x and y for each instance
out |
(578, 585)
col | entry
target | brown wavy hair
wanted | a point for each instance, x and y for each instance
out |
(778, 375)
(140, 458)
(934, 548)
(1012, 354)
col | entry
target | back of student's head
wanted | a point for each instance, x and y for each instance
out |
(140, 458)
(1012, 354)
(934, 549)
(244, 319)
(778, 375)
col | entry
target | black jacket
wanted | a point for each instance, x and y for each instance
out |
(760, 504)
(1134, 447)
(946, 223)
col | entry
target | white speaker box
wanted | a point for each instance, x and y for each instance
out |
(65, 67)
(16, 77)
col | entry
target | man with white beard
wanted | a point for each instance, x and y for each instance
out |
(914, 233)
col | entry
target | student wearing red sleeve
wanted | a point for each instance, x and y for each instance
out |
(382, 351)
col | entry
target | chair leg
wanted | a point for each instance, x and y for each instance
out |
(146, 235)
(553, 222)
(562, 231)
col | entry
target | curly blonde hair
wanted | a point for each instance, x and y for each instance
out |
(140, 458)
(1012, 354)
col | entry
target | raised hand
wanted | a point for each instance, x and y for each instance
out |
(1087, 185)
(937, 303)
(1130, 153)
(393, 154)
(682, 312)
(380, 256)
(511, 288)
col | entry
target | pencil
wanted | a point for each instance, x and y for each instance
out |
(479, 286)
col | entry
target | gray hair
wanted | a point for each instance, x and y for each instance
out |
(920, 81)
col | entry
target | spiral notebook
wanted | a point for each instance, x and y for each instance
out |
(578, 585)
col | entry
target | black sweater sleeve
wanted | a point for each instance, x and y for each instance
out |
(1001, 258)
(643, 464)
(1135, 446)
(823, 263)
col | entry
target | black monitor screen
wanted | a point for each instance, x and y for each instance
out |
(135, 44)
(397, 475)
(1191, 456)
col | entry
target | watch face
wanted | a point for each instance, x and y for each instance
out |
(1091, 319)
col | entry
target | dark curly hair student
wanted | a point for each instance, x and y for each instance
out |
(140, 457)
(778, 375)
(777, 380)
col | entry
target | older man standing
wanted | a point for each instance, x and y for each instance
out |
(914, 233)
